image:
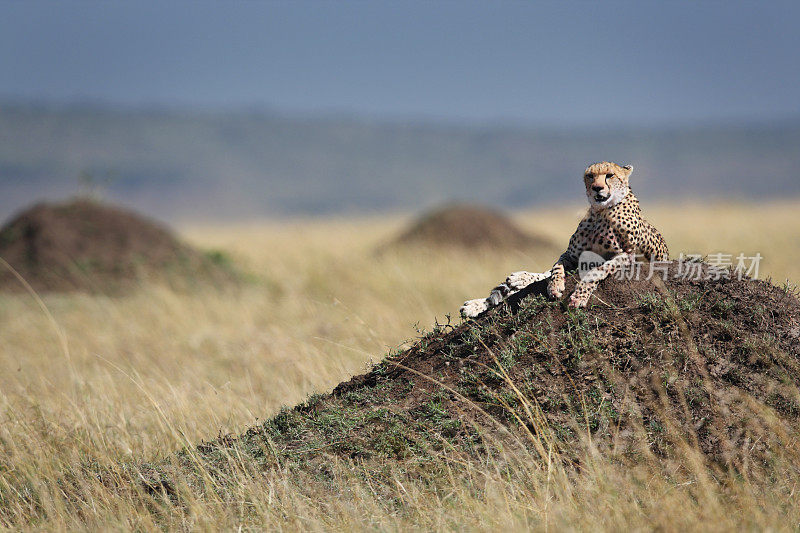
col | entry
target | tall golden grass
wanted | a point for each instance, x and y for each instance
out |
(92, 379)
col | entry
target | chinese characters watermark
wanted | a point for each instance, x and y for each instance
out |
(713, 267)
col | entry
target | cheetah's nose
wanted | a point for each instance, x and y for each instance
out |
(597, 188)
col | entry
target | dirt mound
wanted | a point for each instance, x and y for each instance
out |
(692, 372)
(469, 227)
(87, 246)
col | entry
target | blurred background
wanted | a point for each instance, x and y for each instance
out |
(201, 110)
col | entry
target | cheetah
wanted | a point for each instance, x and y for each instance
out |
(613, 228)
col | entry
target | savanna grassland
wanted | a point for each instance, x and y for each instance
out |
(105, 381)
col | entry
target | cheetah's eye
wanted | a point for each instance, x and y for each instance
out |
(609, 176)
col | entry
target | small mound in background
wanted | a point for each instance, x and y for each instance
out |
(87, 246)
(469, 227)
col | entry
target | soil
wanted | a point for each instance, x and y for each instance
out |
(469, 227)
(651, 369)
(87, 246)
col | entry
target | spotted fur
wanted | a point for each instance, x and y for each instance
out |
(612, 228)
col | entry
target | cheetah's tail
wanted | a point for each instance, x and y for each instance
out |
(514, 283)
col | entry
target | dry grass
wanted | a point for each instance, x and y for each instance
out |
(111, 379)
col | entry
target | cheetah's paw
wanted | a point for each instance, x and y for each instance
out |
(555, 289)
(578, 301)
(473, 308)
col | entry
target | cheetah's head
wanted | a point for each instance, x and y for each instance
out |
(606, 184)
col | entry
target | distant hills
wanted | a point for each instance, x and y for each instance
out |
(185, 164)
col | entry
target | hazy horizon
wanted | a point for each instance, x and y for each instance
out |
(222, 165)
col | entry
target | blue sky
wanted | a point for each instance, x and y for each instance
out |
(559, 63)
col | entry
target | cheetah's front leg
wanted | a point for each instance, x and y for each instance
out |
(567, 261)
(556, 285)
(587, 285)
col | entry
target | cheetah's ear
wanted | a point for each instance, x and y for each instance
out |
(629, 168)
